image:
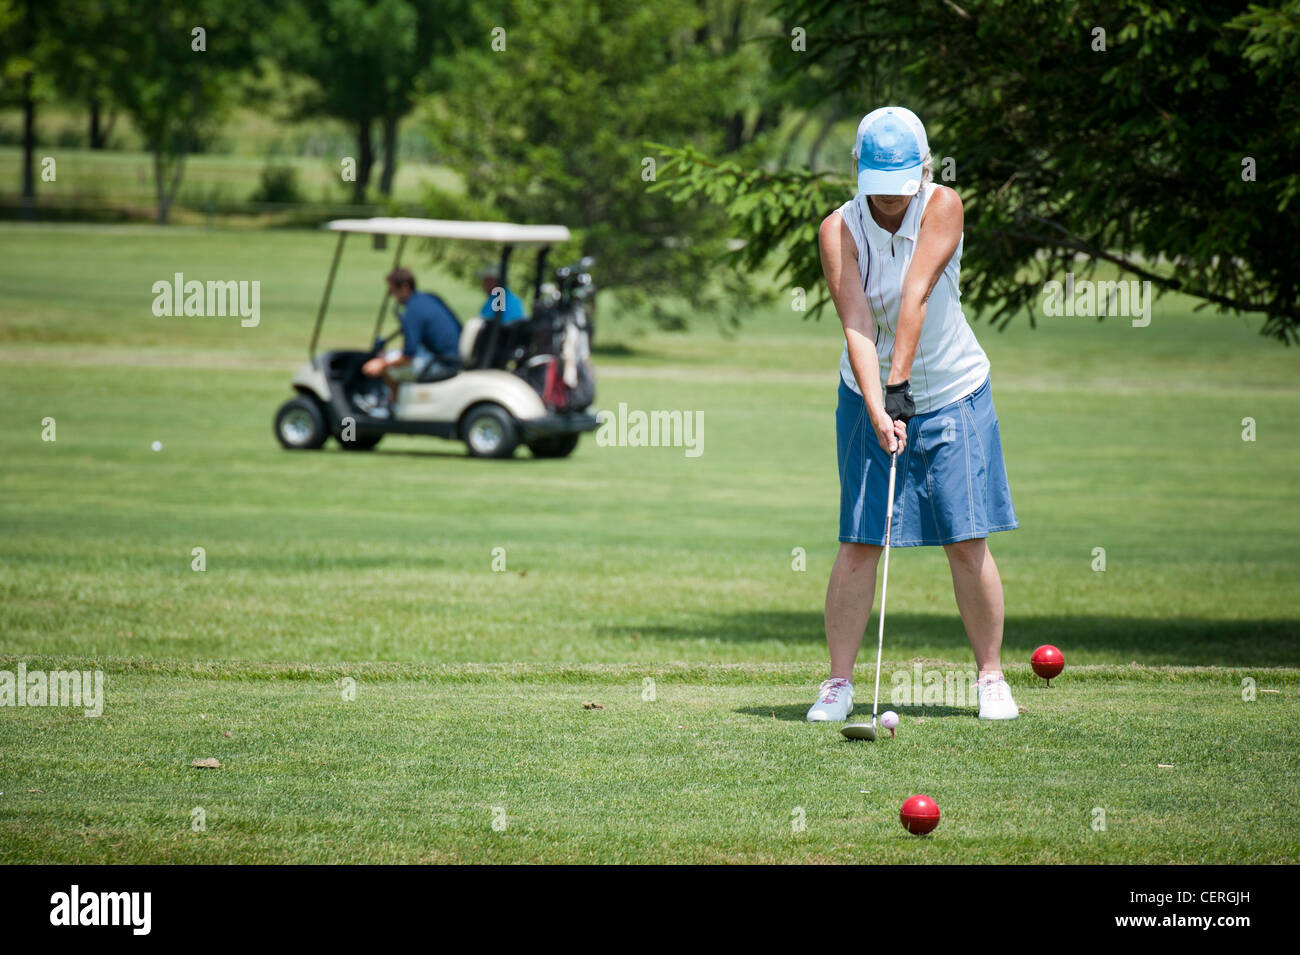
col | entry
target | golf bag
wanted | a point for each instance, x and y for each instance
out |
(554, 351)
(568, 380)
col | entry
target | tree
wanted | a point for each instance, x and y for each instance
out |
(171, 66)
(77, 70)
(47, 48)
(369, 60)
(553, 116)
(26, 46)
(1168, 147)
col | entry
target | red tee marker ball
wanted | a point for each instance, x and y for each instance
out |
(1047, 661)
(919, 815)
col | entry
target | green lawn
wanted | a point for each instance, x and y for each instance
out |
(125, 177)
(622, 564)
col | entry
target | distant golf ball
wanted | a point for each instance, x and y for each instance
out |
(889, 719)
(157, 445)
(919, 815)
(1047, 661)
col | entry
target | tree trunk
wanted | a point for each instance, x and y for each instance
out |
(96, 127)
(735, 132)
(390, 156)
(793, 138)
(163, 189)
(29, 148)
(832, 118)
(160, 191)
(365, 162)
(768, 118)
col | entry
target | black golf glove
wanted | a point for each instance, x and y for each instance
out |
(898, 402)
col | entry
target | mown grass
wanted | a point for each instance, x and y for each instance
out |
(621, 564)
(458, 765)
(126, 176)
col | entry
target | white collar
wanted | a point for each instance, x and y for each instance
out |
(907, 229)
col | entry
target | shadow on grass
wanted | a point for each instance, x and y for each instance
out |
(798, 712)
(1175, 641)
(440, 448)
(614, 350)
(449, 451)
(522, 454)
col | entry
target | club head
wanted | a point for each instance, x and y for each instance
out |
(865, 731)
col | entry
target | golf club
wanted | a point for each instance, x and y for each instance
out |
(868, 730)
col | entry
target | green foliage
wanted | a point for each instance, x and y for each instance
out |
(1132, 155)
(174, 85)
(357, 52)
(1273, 40)
(776, 211)
(368, 60)
(15, 50)
(1272, 48)
(35, 53)
(279, 183)
(555, 128)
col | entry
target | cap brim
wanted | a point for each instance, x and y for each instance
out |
(890, 182)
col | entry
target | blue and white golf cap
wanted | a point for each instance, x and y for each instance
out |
(891, 149)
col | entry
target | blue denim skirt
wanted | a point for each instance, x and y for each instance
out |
(951, 483)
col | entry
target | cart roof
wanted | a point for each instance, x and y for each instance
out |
(501, 232)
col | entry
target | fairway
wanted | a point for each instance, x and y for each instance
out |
(400, 644)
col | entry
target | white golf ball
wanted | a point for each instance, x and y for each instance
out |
(889, 719)
(157, 445)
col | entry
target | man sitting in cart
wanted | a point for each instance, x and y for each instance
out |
(430, 337)
(498, 295)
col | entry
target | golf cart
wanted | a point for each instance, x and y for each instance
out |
(529, 381)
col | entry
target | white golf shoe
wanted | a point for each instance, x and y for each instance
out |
(995, 698)
(834, 701)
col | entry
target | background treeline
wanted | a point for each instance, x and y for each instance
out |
(693, 146)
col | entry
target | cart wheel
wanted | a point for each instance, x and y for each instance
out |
(555, 446)
(489, 432)
(300, 425)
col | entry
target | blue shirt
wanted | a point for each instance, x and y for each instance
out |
(429, 325)
(514, 308)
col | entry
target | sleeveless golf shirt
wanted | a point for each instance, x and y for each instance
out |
(949, 363)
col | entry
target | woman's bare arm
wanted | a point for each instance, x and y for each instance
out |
(940, 234)
(843, 278)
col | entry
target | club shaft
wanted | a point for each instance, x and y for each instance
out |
(884, 582)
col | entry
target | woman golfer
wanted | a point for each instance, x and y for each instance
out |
(913, 379)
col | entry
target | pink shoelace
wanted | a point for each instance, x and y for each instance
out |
(831, 689)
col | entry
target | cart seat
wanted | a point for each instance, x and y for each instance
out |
(468, 335)
(438, 372)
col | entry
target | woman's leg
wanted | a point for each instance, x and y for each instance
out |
(978, 587)
(849, 596)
